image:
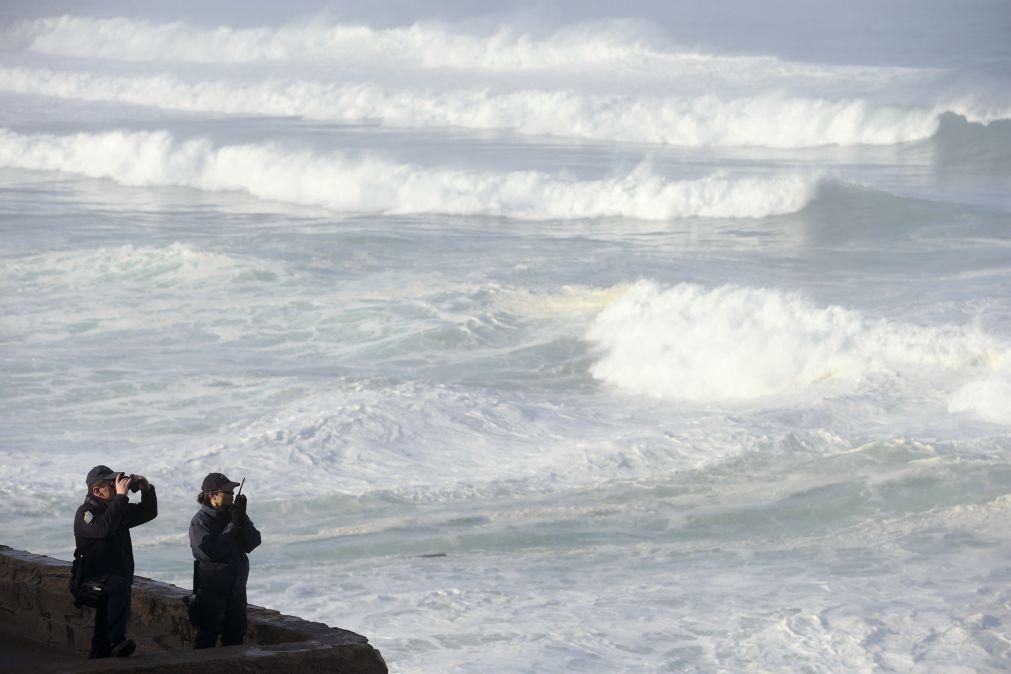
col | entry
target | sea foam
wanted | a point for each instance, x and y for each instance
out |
(174, 263)
(987, 398)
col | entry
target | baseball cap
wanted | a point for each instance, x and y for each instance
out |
(217, 482)
(99, 473)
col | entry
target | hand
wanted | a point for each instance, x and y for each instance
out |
(236, 514)
(240, 504)
(141, 481)
(123, 483)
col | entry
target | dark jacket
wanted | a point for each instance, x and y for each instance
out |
(220, 548)
(102, 531)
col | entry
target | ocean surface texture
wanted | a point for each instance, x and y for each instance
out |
(549, 337)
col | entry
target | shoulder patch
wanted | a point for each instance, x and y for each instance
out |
(88, 517)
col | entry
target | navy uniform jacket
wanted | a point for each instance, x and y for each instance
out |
(102, 531)
(220, 548)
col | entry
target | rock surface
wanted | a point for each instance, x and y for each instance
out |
(41, 630)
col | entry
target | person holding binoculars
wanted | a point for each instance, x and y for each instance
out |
(102, 573)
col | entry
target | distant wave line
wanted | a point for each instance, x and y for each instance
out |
(703, 121)
(590, 45)
(367, 184)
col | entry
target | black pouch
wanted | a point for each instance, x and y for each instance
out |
(91, 592)
(84, 596)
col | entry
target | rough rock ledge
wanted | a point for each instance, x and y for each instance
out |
(41, 631)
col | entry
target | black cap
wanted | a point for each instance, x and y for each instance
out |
(99, 473)
(217, 482)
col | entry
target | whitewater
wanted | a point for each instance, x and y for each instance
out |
(547, 338)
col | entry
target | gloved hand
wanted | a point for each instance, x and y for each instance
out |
(239, 509)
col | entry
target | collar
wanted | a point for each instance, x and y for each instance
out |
(95, 502)
(211, 511)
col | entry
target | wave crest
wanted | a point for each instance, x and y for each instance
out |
(618, 45)
(372, 185)
(764, 120)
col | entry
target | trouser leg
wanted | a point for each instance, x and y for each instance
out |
(233, 631)
(212, 613)
(117, 607)
(205, 638)
(100, 646)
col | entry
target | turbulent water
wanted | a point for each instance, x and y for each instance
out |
(549, 341)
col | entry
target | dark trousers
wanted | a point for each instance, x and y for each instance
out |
(221, 615)
(111, 617)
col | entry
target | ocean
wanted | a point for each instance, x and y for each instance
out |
(548, 337)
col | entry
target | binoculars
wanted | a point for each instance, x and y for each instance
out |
(134, 487)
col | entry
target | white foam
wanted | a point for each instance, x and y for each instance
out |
(425, 443)
(987, 398)
(174, 263)
(736, 344)
(573, 301)
(709, 120)
(373, 185)
(59, 295)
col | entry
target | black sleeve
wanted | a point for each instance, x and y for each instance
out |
(249, 535)
(105, 525)
(145, 511)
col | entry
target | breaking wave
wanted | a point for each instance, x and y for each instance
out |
(736, 343)
(592, 45)
(373, 185)
(425, 44)
(708, 120)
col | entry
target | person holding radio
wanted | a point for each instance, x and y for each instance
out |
(102, 572)
(221, 537)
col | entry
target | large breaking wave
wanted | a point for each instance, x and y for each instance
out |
(367, 184)
(734, 343)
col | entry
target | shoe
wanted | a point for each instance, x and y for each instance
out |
(123, 649)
